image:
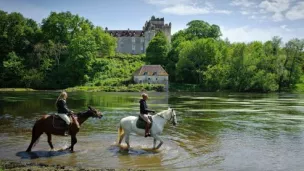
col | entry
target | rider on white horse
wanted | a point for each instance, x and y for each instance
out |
(144, 113)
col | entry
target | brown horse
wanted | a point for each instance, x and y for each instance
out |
(47, 123)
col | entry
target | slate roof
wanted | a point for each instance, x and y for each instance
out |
(126, 33)
(151, 70)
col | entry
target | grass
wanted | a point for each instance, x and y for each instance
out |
(300, 86)
(176, 87)
(129, 88)
(16, 89)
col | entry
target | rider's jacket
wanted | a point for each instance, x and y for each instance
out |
(144, 107)
(62, 106)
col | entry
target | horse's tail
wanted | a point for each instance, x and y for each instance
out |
(120, 132)
(33, 135)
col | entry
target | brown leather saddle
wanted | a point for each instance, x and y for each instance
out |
(141, 124)
(59, 123)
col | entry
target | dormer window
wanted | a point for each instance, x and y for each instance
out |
(154, 73)
(145, 73)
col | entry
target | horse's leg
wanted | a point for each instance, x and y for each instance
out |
(156, 137)
(35, 136)
(50, 140)
(154, 143)
(127, 139)
(73, 142)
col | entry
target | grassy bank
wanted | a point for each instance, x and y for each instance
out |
(176, 87)
(16, 89)
(129, 88)
(27, 166)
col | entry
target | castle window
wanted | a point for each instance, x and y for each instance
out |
(133, 39)
(142, 48)
(133, 47)
(142, 40)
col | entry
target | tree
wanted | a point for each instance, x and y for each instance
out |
(198, 55)
(198, 29)
(158, 50)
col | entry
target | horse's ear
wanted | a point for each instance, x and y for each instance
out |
(90, 107)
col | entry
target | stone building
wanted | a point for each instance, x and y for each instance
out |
(151, 74)
(137, 41)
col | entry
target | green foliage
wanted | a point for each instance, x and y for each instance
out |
(220, 65)
(177, 87)
(198, 29)
(68, 50)
(158, 49)
(60, 54)
(121, 88)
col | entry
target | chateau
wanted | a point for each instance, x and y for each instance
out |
(137, 41)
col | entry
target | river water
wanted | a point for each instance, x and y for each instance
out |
(215, 131)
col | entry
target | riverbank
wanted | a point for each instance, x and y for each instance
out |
(173, 87)
(123, 88)
(7, 165)
(16, 89)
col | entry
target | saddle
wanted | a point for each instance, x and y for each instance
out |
(59, 123)
(141, 124)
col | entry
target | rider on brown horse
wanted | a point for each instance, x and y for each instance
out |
(63, 110)
(144, 113)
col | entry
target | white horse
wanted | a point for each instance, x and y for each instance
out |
(128, 125)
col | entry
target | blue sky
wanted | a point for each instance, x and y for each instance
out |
(240, 20)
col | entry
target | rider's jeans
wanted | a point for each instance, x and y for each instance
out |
(65, 118)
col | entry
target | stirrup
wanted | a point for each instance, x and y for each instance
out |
(66, 133)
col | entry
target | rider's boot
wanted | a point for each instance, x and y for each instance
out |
(66, 132)
(147, 130)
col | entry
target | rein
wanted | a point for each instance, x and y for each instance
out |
(161, 115)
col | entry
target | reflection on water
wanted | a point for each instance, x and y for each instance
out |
(216, 131)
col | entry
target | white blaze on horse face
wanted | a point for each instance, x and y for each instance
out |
(174, 117)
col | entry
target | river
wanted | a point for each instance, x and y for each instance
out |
(215, 131)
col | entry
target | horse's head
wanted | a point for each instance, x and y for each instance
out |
(94, 113)
(173, 116)
(169, 115)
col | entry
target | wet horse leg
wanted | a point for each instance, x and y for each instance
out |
(50, 140)
(127, 140)
(154, 143)
(157, 137)
(73, 142)
(35, 136)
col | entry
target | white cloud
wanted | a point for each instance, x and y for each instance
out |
(296, 12)
(191, 10)
(185, 10)
(249, 34)
(284, 27)
(167, 2)
(186, 7)
(275, 7)
(244, 3)
(245, 12)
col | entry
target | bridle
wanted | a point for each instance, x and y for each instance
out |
(168, 119)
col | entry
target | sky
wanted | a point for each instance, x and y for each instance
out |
(239, 20)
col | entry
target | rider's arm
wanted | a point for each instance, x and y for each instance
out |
(148, 110)
(64, 106)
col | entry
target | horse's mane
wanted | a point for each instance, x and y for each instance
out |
(162, 112)
(80, 114)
